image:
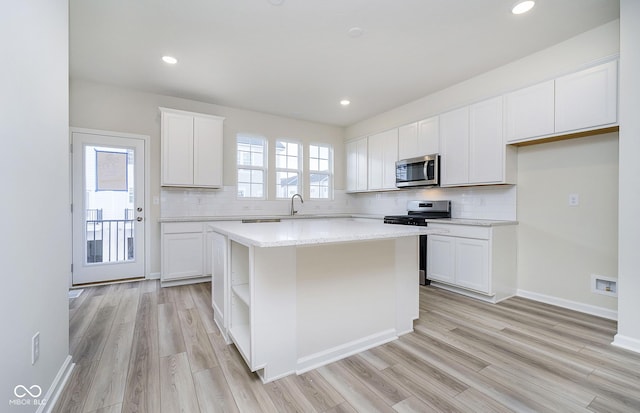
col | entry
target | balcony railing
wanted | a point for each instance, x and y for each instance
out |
(110, 240)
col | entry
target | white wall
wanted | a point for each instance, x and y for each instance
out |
(563, 277)
(104, 107)
(35, 236)
(560, 246)
(629, 216)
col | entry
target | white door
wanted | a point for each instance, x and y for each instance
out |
(108, 206)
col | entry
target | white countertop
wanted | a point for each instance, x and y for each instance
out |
(453, 221)
(315, 231)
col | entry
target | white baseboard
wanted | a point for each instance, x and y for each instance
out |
(315, 360)
(57, 386)
(571, 305)
(153, 276)
(627, 343)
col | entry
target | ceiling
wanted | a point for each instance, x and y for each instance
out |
(297, 59)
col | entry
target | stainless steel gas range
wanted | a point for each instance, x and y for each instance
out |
(418, 213)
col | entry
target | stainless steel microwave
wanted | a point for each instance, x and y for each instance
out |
(421, 171)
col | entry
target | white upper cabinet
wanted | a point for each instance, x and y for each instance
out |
(207, 151)
(530, 112)
(418, 138)
(382, 157)
(357, 165)
(580, 101)
(177, 149)
(588, 98)
(408, 141)
(428, 136)
(486, 144)
(472, 149)
(454, 147)
(191, 149)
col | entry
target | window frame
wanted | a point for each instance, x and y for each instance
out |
(329, 172)
(264, 168)
(299, 170)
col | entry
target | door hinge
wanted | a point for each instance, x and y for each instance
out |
(72, 208)
(71, 148)
(71, 267)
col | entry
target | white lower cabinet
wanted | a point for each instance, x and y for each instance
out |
(478, 261)
(185, 256)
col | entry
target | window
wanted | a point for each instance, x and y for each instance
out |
(252, 166)
(320, 171)
(288, 168)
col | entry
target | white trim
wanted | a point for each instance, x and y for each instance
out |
(57, 386)
(627, 343)
(322, 358)
(571, 305)
(153, 276)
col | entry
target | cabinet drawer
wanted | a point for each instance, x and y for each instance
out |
(463, 231)
(181, 227)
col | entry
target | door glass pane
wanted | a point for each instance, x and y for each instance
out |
(109, 204)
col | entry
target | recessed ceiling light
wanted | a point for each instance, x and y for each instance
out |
(355, 32)
(523, 7)
(345, 102)
(170, 60)
(276, 2)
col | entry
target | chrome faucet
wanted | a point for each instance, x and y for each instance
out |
(293, 211)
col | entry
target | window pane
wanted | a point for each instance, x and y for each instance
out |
(324, 165)
(281, 161)
(292, 162)
(324, 152)
(313, 164)
(244, 175)
(257, 159)
(313, 151)
(256, 190)
(244, 190)
(286, 184)
(257, 176)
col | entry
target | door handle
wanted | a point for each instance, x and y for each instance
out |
(139, 219)
(139, 209)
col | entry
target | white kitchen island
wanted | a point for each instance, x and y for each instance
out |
(297, 294)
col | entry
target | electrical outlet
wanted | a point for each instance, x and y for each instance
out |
(35, 348)
(574, 199)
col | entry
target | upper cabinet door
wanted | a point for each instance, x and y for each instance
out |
(486, 144)
(408, 141)
(588, 98)
(383, 154)
(529, 112)
(177, 149)
(418, 139)
(357, 165)
(454, 147)
(207, 153)
(361, 172)
(428, 136)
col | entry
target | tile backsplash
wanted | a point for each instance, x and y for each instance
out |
(224, 202)
(478, 202)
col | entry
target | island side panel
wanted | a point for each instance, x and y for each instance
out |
(274, 311)
(407, 283)
(346, 299)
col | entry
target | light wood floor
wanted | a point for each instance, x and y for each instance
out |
(141, 348)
